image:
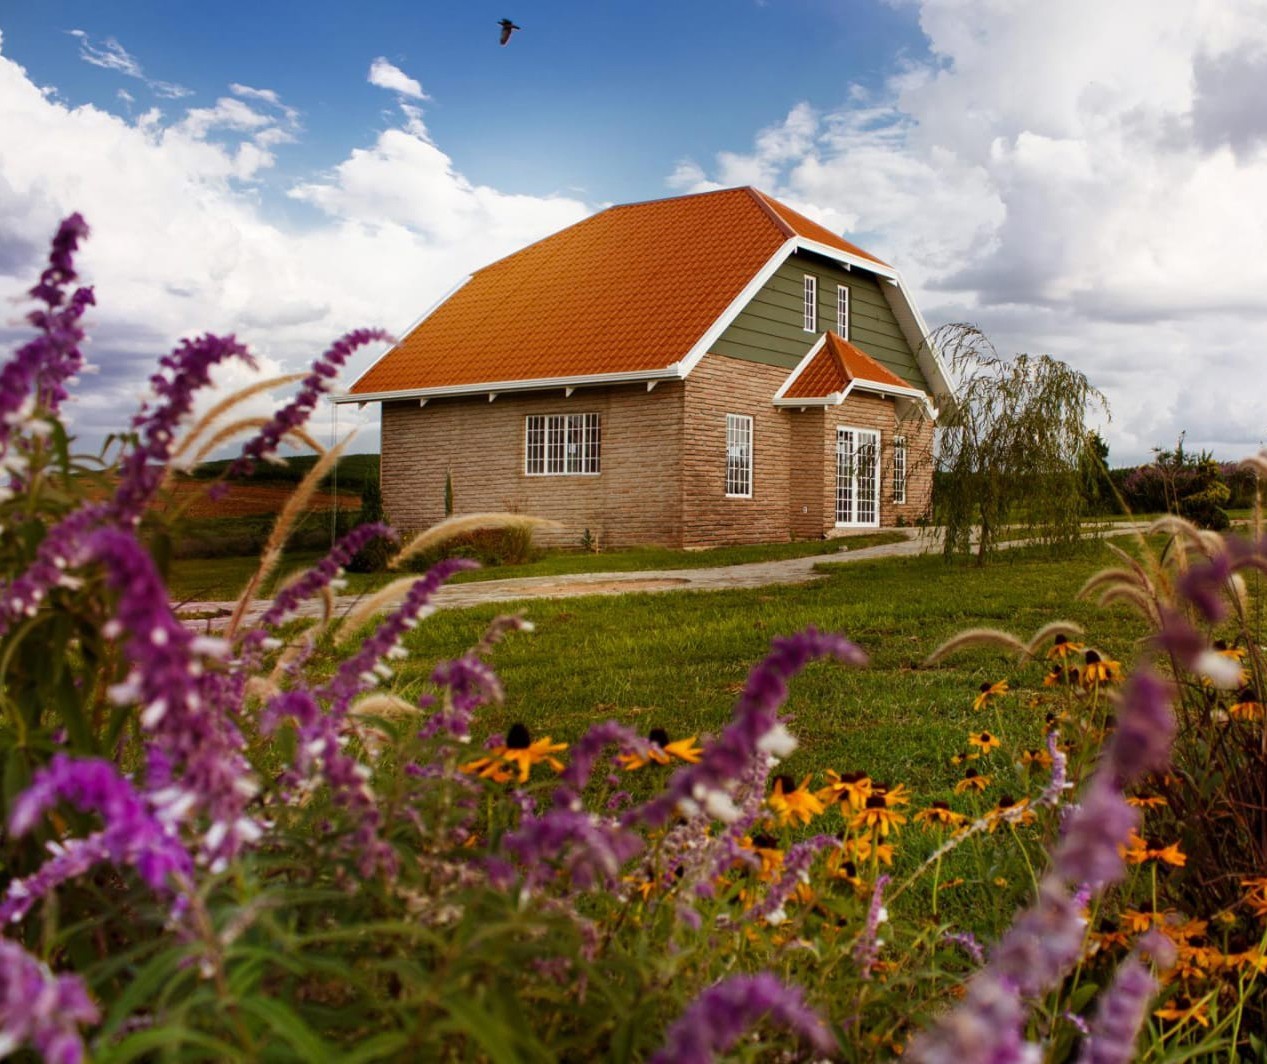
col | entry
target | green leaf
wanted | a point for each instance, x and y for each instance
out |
(149, 1045)
(158, 972)
(286, 1023)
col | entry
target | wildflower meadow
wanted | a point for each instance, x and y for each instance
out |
(247, 845)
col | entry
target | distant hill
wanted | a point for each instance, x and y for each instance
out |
(352, 473)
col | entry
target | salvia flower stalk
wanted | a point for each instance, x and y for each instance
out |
(40, 1009)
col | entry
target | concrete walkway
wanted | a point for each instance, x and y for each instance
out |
(209, 615)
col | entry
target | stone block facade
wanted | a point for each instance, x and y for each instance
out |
(663, 461)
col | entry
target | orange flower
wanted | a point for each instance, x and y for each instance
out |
(989, 691)
(849, 788)
(972, 781)
(519, 751)
(1135, 920)
(1041, 758)
(1098, 670)
(984, 741)
(877, 815)
(1146, 801)
(794, 802)
(1138, 850)
(1008, 810)
(1181, 1009)
(1062, 648)
(1248, 705)
(939, 813)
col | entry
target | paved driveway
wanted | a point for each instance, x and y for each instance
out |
(752, 574)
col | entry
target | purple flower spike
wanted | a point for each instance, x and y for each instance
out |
(583, 754)
(1102, 821)
(298, 410)
(868, 947)
(586, 849)
(1205, 586)
(1145, 727)
(40, 1009)
(182, 373)
(1120, 1015)
(716, 1019)
(984, 1029)
(133, 834)
(471, 683)
(756, 716)
(796, 866)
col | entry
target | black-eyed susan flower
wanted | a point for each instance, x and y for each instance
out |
(862, 848)
(1062, 674)
(1011, 811)
(841, 867)
(791, 801)
(520, 751)
(1062, 647)
(1182, 1010)
(984, 741)
(1139, 850)
(1146, 801)
(893, 796)
(769, 856)
(990, 691)
(1248, 706)
(964, 756)
(656, 753)
(1035, 759)
(972, 781)
(939, 813)
(876, 815)
(1139, 920)
(852, 789)
(1097, 670)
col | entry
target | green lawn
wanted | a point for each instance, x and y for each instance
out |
(192, 579)
(678, 659)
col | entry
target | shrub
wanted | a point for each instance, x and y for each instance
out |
(250, 847)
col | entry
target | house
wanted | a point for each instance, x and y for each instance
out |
(693, 371)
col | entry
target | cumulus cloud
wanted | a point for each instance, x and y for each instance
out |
(1092, 193)
(181, 243)
(387, 76)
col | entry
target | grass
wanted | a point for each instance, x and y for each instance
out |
(222, 578)
(678, 659)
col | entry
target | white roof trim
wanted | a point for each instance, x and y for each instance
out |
(749, 291)
(673, 372)
(806, 359)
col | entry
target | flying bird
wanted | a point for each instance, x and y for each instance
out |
(508, 28)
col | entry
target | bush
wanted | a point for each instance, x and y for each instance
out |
(250, 847)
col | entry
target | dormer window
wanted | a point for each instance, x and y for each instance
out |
(811, 303)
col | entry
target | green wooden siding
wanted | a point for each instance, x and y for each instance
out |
(769, 329)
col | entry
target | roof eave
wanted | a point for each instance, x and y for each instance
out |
(538, 384)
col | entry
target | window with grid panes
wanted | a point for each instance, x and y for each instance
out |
(811, 303)
(739, 456)
(562, 444)
(899, 469)
(842, 311)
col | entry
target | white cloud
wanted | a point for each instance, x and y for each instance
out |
(113, 56)
(180, 243)
(386, 76)
(1080, 178)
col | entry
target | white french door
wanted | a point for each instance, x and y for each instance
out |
(857, 477)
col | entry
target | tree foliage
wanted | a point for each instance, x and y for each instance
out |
(1013, 446)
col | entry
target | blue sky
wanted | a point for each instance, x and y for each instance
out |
(1080, 179)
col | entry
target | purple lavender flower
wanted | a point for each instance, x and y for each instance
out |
(1043, 942)
(984, 1029)
(586, 849)
(196, 763)
(183, 372)
(796, 866)
(321, 574)
(40, 1009)
(299, 409)
(867, 948)
(716, 1019)
(1121, 1012)
(61, 549)
(1088, 851)
(471, 683)
(967, 942)
(133, 835)
(756, 716)
(1145, 727)
(585, 753)
(36, 375)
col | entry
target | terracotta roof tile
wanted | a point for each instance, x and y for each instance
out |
(631, 288)
(837, 363)
(811, 230)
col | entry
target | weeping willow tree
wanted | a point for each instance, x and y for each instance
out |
(1011, 446)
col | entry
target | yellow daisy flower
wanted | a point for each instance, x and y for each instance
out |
(1248, 706)
(984, 741)
(1181, 1010)
(849, 788)
(989, 691)
(972, 781)
(520, 752)
(1031, 758)
(877, 816)
(1139, 850)
(1097, 670)
(1008, 810)
(939, 813)
(1062, 647)
(794, 802)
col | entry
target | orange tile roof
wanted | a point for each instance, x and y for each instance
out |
(632, 288)
(811, 230)
(837, 363)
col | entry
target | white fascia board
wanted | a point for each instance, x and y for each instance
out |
(845, 258)
(692, 358)
(673, 372)
(419, 320)
(806, 359)
(864, 385)
(915, 329)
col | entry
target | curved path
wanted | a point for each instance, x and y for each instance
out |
(208, 615)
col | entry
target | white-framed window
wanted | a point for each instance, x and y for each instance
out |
(842, 311)
(811, 303)
(562, 444)
(857, 477)
(738, 456)
(899, 469)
